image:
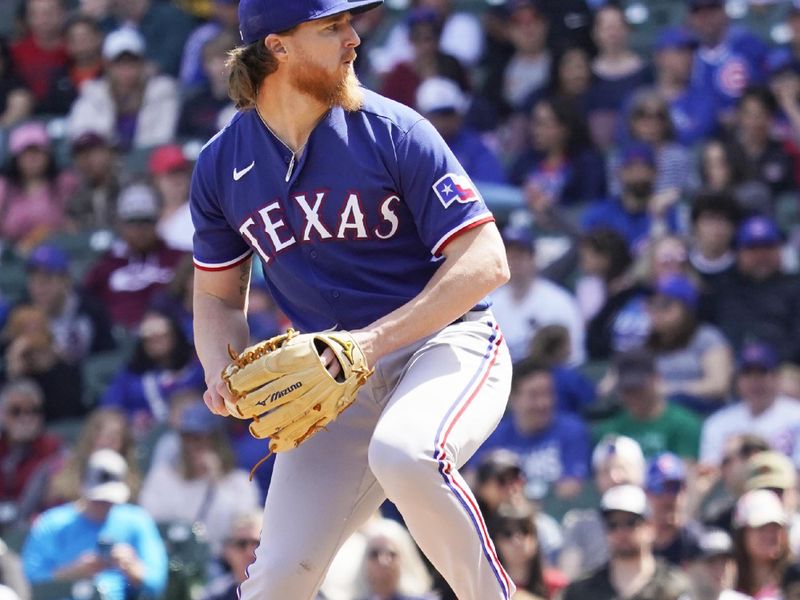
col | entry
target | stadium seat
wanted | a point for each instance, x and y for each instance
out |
(188, 557)
(65, 590)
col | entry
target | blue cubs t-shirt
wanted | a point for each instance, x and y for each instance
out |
(353, 230)
(557, 452)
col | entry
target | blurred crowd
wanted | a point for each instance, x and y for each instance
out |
(643, 162)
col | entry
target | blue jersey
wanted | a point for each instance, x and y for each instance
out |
(728, 69)
(694, 115)
(559, 451)
(352, 231)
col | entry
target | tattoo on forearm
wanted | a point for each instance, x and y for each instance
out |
(244, 278)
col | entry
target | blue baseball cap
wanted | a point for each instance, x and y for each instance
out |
(780, 61)
(665, 469)
(758, 231)
(50, 258)
(679, 288)
(676, 37)
(637, 152)
(519, 236)
(259, 18)
(758, 355)
(196, 418)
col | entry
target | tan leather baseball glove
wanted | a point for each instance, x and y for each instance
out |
(283, 385)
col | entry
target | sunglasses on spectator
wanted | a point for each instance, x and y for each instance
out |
(613, 524)
(376, 553)
(510, 532)
(18, 411)
(243, 543)
(649, 114)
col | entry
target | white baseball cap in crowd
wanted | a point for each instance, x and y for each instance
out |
(623, 446)
(625, 498)
(439, 94)
(125, 40)
(757, 508)
(104, 480)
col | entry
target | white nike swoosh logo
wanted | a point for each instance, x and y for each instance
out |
(237, 175)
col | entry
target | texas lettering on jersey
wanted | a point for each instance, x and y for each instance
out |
(348, 231)
(352, 223)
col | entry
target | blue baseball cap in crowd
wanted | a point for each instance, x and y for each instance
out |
(196, 418)
(666, 473)
(758, 231)
(519, 236)
(676, 38)
(678, 287)
(758, 355)
(50, 258)
(780, 61)
(636, 152)
(700, 4)
(259, 18)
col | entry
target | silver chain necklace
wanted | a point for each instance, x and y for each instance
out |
(285, 145)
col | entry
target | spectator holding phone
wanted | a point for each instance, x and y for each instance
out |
(100, 537)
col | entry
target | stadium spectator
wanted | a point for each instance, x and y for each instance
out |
(391, 567)
(138, 265)
(31, 353)
(428, 60)
(760, 411)
(171, 172)
(41, 54)
(758, 299)
(712, 569)
(528, 302)
(693, 359)
(657, 425)
(692, 109)
(444, 104)
(528, 70)
(729, 58)
(460, 37)
(105, 428)
(570, 80)
(611, 300)
(553, 447)
(638, 212)
(513, 527)
(648, 121)
(165, 29)
(499, 479)
(238, 552)
(84, 39)
(716, 507)
(26, 447)
(550, 348)
(16, 101)
(80, 326)
(137, 109)
(715, 218)
(202, 485)
(94, 204)
(617, 72)
(760, 157)
(163, 361)
(225, 18)
(33, 191)
(207, 108)
(665, 486)
(761, 544)
(616, 460)
(717, 167)
(561, 161)
(99, 537)
(632, 570)
(667, 256)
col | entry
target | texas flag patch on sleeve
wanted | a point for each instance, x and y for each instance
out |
(455, 188)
